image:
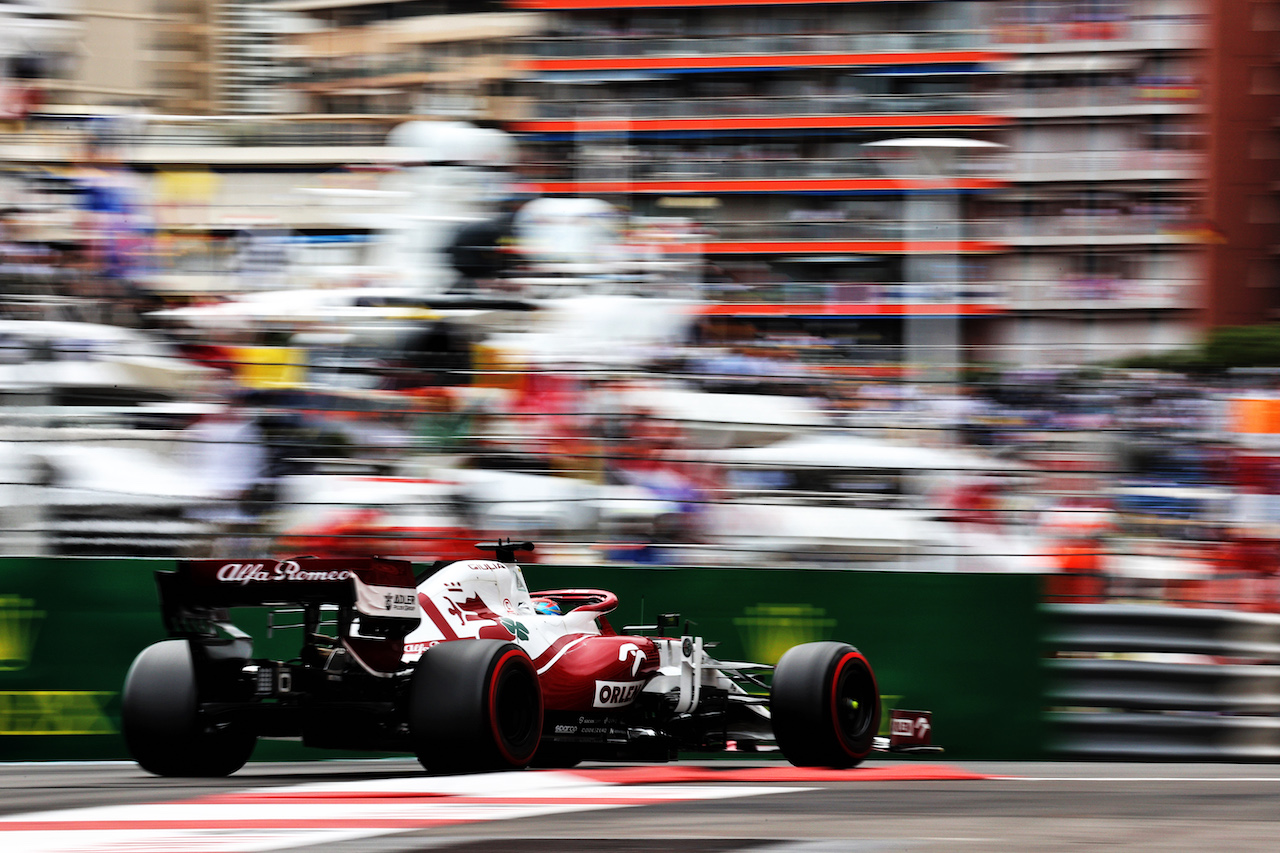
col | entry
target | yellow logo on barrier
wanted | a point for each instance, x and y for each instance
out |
(19, 624)
(55, 712)
(768, 630)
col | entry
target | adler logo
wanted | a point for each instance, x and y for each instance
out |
(287, 570)
(615, 694)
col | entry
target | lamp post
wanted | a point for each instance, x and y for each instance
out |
(932, 214)
(932, 333)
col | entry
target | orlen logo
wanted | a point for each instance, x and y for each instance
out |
(615, 694)
(909, 727)
(287, 570)
(903, 726)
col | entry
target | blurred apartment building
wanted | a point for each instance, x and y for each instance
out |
(753, 121)
(1106, 182)
(1130, 205)
(247, 57)
(240, 120)
(67, 55)
(442, 59)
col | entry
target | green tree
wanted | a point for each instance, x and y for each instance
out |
(1243, 346)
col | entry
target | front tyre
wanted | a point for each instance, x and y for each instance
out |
(161, 721)
(475, 705)
(825, 705)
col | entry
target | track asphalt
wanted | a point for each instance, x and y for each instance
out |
(717, 807)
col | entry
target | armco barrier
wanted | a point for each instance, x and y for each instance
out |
(1165, 737)
(1145, 682)
(966, 646)
(1138, 685)
(1156, 628)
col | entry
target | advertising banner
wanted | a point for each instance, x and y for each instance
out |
(69, 628)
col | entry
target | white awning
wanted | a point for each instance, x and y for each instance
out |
(1085, 63)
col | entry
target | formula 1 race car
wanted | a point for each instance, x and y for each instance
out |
(465, 668)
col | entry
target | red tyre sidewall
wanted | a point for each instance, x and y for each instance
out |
(833, 695)
(495, 675)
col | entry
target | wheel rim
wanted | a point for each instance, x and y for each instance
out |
(853, 701)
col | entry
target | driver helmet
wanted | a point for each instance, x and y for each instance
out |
(546, 607)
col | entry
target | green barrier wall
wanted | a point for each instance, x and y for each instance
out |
(966, 646)
(68, 631)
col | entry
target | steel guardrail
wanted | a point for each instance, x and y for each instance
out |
(1157, 683)
(1128, 628)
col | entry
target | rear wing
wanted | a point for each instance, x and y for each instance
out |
(376, 601)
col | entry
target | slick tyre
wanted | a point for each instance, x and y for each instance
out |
(825, 705)
(475, 705)
(161, 721)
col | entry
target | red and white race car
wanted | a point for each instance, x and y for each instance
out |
(468, 670)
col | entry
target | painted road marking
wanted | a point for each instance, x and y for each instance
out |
(277, 818)
(1196, 779)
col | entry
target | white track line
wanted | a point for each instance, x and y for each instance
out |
(276, 818)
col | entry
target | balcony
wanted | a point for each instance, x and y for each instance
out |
(180, 8)
(1099, 230)
(869, 237)
(851, 298)
(694, 44)
(651, 172)
(41, 142)
(190, 58)
(577, 5)
(374, 68)
(895, 232)
(1124, 165)
(615, 116)
(1103, 293)
(613, 111)
(1121, 33)
(1097, 101)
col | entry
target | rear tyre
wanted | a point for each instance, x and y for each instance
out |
(161, 721)
(825, 705)
(475, 705)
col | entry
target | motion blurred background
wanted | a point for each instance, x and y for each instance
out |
(959, 286)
